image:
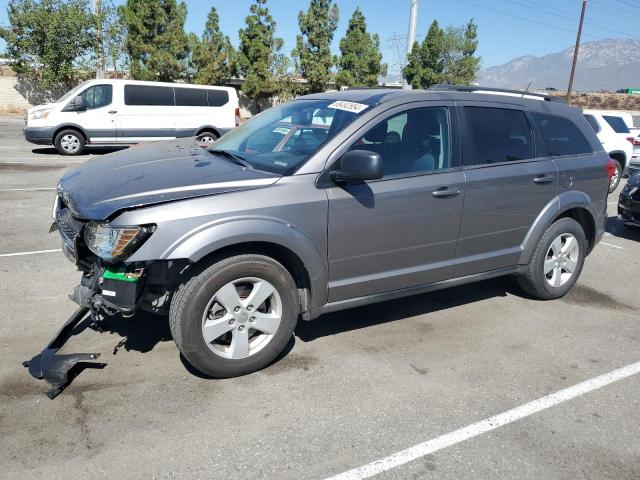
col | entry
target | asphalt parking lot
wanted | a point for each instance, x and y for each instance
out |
(354, 388)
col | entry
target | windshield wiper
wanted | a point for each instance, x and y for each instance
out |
(231, 156)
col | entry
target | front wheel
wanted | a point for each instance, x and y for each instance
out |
(69, 142)
(236, 316)
(557, 261)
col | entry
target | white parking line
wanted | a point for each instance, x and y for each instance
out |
(35, 252)
(26, 189)
(612, 246)
(413, 453)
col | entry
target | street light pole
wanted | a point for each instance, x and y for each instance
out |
(575, 51)
(411, 37)
(100, 73)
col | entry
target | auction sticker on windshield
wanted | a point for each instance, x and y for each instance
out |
(348, 106)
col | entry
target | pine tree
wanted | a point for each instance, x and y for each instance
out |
(258, 52)
(313, 45)
(211, 56)
(156, 42)
(360, 62)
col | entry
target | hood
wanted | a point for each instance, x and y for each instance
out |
(152, 173)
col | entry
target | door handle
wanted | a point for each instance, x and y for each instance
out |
(113, 111)
(445, 192)
(544, 179)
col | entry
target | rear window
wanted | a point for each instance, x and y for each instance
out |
(593, 122)
(561, 136)
(148, 95)
(617, 123)
(191, 97)
(218, 98)
(496, 135)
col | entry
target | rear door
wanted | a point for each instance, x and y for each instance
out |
(400, 231)
(507, 185)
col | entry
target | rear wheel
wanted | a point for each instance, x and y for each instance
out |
(557, 262)
(617, 175)
(236, 316)
(69, 142)
(207, 137)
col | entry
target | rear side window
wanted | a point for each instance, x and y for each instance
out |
(561, 136)
(593, 122)
(218, 98)
(148, 95)
(617, 123)
(496, 135)
(191, 97)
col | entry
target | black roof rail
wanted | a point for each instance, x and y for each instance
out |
(468, 88)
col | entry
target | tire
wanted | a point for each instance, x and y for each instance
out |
(557, 281)
(615, 181)
(207, 137)
(214, 356)
(69, 142)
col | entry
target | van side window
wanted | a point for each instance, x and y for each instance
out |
(191, 97)
(495, 135)
(97, 96)
(218, 98)
(148, 95)
(410, 142)
(561, 136)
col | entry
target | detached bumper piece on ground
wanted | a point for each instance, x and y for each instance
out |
(60, 370)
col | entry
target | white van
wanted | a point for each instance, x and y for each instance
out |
(120, 112)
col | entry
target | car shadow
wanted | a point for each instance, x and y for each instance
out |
(87, 151)
(617, 229)
(394, 310)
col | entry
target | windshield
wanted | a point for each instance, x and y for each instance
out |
(71, 92)
(283, 138)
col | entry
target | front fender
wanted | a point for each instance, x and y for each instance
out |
(212, 236)
(563, 202)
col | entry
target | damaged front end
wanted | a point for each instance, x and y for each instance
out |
(109, 286)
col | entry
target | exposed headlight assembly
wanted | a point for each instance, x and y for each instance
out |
(42, 113)
(112, 242)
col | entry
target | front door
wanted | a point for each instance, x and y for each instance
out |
(100, 125)
(400, 231)
(508, 185)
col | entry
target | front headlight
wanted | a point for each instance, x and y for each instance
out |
(38, 114)
(114, 243)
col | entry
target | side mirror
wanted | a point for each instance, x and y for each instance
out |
(78, 104)
(358, 166)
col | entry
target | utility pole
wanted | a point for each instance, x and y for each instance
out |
(575, 52)
(100, 73)
(411, 37)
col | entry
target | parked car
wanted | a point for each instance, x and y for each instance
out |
(117, 112)
(616, 139)
(629, 202)
(398, 193)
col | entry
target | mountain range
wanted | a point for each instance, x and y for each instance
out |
(602, 65)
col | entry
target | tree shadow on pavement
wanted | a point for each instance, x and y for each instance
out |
(391, 311)
(617, 229)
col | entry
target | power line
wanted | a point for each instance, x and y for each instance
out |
(524, 19)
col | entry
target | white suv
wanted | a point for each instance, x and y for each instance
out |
(616, 139)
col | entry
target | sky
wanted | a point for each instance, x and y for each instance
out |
(506, 28)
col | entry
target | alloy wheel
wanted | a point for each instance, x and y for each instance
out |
(241, 318)
(70, 143)
(561, 260)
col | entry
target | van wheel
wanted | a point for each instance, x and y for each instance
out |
(207, 137)
(557, 261)
(617, 175)
(236, 316)
(69, 142)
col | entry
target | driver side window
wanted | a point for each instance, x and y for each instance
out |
(97, 96)
(410, 142)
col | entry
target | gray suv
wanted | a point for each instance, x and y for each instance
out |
(332, 201)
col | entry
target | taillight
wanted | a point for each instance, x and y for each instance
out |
(634, 141)
(237, 117)
(610, 167)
